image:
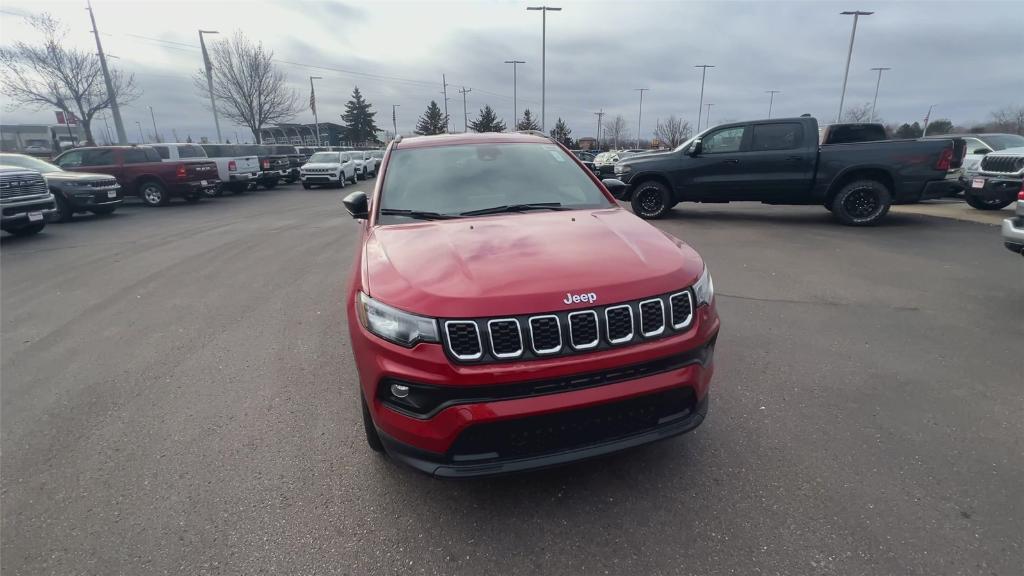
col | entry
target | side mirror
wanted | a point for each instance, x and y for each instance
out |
(695, 148)
(615, 186)
(357, 205)
(981, 151)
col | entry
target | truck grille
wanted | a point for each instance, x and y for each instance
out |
(569, 332)
(25, 184)
(1005, 164)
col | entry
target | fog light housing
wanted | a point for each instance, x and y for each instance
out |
(399, 390)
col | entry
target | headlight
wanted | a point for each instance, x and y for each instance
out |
(623, 168)
(704, 289)
(394, 325)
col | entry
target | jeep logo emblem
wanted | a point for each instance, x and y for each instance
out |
(588, 297)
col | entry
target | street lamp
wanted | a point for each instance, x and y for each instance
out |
(640, 115)
(707, 124)
(515, 108)
(771, 101)
(543, 55)
(312, 104)
(926, 118)
(209, 78)
(877, 84)
(849, 54)
(703, 74)
(153, 118)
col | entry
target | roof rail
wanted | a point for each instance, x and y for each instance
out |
(535, 133)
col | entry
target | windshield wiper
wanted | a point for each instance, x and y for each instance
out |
(516, 208)
(417, 214)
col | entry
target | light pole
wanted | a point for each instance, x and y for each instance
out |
(874, 103)
(142, 139)
(515, 107)
(394, 118)
(926, 118)
(640, 115)
(707, 124)
(543, 55)
(312, 104)
(599, 116)
(849, 54)
(209, 78)
(115, 110)
(703, 74)
(771, 101)
(153, 118)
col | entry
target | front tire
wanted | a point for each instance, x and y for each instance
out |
(980, 203)
(372, 437)
(153, 193)
(306, 186)
(862, 203)
(651, 200)
(64, 211)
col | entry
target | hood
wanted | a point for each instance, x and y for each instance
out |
(76, 176)
(523, 263)
(322, 165)
(1018, 151)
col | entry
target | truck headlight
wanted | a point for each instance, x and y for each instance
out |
(704, 289)
(394, 325)
(623, 168)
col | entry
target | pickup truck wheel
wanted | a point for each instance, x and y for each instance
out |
(64, 211)
(29, 230)
(372, 438)
(651, 200)
(987, 204)
(152, 193)
(862, 203)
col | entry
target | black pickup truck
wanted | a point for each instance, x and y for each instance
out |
(779, 161)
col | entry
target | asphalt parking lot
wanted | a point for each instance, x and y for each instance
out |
(179, 397)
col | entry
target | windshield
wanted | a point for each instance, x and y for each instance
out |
(457, 179)
(328, 157)
(28, 162)
(1004, 141)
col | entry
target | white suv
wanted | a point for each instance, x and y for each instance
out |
(370, 163)
(328, 168)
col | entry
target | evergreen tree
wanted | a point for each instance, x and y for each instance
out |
(432, 122)
(359, 125)
(909, 131)
(562, 133)
(487, 121)
(529, 121)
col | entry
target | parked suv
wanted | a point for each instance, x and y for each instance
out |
(506, 314)
(140, 170)
(997, 181)
(237, 167)
(72, 191)
(25, 201)
(328, 168)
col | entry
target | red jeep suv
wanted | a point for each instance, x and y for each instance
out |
(506, 314)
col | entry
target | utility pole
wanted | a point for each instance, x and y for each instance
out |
(926, 118)
(106, 129)
(599, 115)
(874, 103)
(640, 115)
(142, 139)
(543, 56)
(515, 107)
(115, 110)
(708, 123)
(771, 101)
(394, 118)
(312, 104)
(209, 79)
(156, 135)
(703, 75)
(849, 54)
(447, 120)
(465, 111)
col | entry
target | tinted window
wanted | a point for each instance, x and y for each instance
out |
(151, 155)
(134, 156)
(163, 152)
(455, 179)
(1003, 141)
(97, 157)
(847, 133)
(189, 151)
(777, 136)
(70, 159)
(726, 140)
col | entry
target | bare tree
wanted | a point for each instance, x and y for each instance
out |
(53, 75)
(617, 131)
(858, 113)
(1009, 119)
(673, 131)
(248, 88)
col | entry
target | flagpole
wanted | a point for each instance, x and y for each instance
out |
(312, 105)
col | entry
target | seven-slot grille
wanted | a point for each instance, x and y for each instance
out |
(1006, 164)
(568, 332)
(26, 184)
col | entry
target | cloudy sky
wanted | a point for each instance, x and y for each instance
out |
(963, 57)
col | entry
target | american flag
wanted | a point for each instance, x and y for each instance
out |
(312, 99)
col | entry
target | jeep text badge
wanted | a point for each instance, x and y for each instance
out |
(577, 298)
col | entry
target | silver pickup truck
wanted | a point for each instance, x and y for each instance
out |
(25, 200)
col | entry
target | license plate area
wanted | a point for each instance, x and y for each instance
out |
(978, 183)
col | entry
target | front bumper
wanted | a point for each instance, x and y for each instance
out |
(20, 213)
(613, 378)
(84, 198)
(1013, 230)
(993, 187)
(327, 178)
